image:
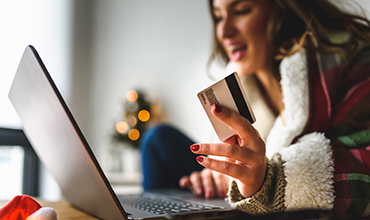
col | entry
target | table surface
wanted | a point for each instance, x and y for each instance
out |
(66, 212)
(63, 209)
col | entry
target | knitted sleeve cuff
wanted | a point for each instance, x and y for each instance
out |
(270, 198)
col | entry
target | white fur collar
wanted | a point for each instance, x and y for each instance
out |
(294, 83)
(309, 167)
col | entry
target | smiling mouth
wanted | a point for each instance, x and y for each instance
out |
(235, 48)
(236, 52)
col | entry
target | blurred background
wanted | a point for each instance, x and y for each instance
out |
(98, 53)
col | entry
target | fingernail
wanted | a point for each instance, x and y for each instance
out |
(199, 191)
(222, 194)
(218, 108)
(200, 159)
(208, 195)
(194, 147)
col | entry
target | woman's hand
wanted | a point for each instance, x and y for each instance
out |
(245, 152)
(206, 182)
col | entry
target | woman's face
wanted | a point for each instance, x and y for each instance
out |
(241, 29)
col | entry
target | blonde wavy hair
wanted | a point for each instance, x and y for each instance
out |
(292, 22)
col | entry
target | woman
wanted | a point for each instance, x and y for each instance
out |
(310, 62)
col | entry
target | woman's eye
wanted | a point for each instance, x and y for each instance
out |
(218, 19)
(243, 11)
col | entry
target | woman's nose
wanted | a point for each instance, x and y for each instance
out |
(228, 29)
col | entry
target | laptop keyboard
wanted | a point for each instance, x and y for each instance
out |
(163, 205)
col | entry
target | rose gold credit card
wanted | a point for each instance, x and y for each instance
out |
(229, 93)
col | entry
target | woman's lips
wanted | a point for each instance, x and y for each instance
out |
(236, 52)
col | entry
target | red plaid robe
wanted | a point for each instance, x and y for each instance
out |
(340, 108)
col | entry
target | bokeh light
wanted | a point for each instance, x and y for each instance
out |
(122, 127)
(143, 115)
(133, 134)
(131, 120)
(132, 95)
(132, 106)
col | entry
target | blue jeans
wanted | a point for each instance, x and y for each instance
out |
(166, 157)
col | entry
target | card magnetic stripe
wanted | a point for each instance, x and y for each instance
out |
(238, 97)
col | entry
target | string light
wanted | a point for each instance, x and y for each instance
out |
(144, 115)
(136, 116)
(132, 95)
(133, 134)
(131, 120)
(122, 127)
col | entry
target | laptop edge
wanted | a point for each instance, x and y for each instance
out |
(22, 94)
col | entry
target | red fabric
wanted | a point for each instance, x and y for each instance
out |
(19, 208)
(339, 106)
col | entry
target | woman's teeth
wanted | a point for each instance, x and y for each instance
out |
(233, 48)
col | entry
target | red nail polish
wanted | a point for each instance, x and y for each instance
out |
(200, 159)
(194, 147)
(218, 108)
(208, 195)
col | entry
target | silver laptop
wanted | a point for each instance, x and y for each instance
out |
(63, 150)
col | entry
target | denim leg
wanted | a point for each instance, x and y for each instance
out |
(166, 157)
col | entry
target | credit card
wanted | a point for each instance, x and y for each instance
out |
(227, 92)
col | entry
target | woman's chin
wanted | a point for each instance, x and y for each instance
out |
(243, 72)
(240, 67)
(236, 67)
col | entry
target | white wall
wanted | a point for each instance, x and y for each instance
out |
(42, 24)
(45, 25)
(161, 46)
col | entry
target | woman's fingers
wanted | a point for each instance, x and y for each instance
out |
(184, 182)
(221, 149)
(207, 182)
(192, 182)
(231, 118)
(230, 151)
(221, 182)
(196, 182)
(250, 177)
(231, 169)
